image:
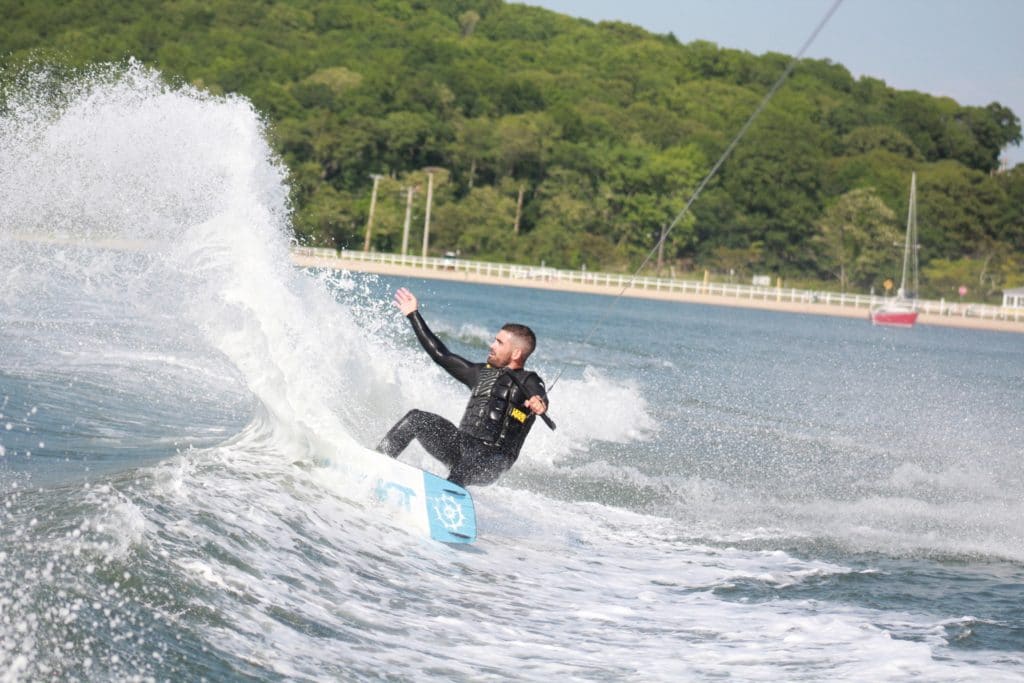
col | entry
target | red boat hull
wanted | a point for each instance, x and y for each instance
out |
(894, 318)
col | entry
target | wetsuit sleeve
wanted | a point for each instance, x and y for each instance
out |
(535, 387)
(456, 366)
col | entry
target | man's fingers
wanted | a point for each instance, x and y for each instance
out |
(535, 404)
(402, 297)
(405, 301)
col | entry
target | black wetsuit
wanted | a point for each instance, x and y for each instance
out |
(493, 428)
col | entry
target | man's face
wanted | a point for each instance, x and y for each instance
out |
(501, 349)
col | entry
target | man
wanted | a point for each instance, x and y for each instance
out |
(503, 403)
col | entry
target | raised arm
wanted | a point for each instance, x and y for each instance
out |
(456, 366)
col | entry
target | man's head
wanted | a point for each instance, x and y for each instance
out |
(512, 346)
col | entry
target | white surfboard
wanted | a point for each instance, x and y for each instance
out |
(432, 505)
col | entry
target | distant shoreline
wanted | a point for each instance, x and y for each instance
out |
(763, 303)
(613, 290)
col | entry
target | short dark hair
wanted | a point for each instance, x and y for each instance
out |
(524, 334)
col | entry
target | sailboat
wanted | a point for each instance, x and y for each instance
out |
(902, 311)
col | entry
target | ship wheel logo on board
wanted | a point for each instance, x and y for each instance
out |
(449, 512)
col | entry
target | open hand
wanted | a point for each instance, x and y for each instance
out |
(406, 301)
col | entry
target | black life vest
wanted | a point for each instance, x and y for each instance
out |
(495, 413)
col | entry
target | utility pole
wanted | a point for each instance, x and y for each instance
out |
(373, 207)
(426, 220)
(661, 248)
(519, 210)
(408, 219)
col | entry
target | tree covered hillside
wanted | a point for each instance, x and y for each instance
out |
(557, 139)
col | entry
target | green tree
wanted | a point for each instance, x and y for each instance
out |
(479, 226)
(776, 178)
(567, 231)
(1010, 221)
(867, 138)
(855, 240)
(739, 261)
(985, 278)
(524, 143)
(604, 128)
(958, 210)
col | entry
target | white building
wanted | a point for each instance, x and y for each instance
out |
(1013, 298)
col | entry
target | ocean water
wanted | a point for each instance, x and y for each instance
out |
(729, 494)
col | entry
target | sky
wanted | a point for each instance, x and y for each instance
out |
(970, 50)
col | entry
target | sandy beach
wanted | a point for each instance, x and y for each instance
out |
(707, 299)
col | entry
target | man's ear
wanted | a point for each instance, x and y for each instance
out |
(517, 353)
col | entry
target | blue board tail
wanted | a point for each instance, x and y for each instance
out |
(449, 510)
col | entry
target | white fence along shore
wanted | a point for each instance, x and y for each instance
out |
(541, 275)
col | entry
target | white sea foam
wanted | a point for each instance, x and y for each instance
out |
(589, 410)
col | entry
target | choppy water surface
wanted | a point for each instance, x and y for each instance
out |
(730, 493)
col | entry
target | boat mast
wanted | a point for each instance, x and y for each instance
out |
(910, 248)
